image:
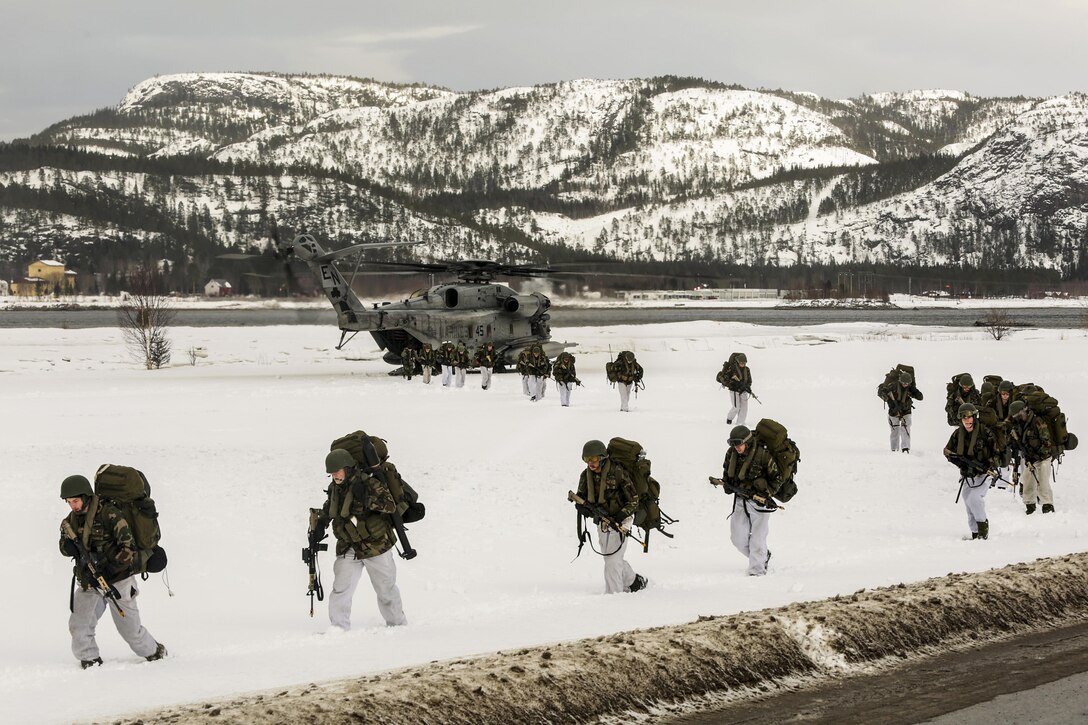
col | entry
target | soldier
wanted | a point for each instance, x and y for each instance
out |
(426, 362)
(460, 364)
(610, 487)
(739, 383)
(358, 507)
(409, 362)
(98, 537)
(973, 449)
(900, 397)
(964, 391)
(540, 369)
(444, 356)
(750, 471)
(566, 377)
(522, 366)
(1032, 434)
(626, 373)
(484, 358)
(994, 412)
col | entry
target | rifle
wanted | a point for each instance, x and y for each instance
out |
(89, 561)
(754, 396)
(374, 466)
(598, 515)
(1017, 486)
(764, 501)
(314, 537)
(973, 468)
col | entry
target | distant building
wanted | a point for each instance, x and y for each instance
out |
(704, 293)
(218, 288)
(45, 277)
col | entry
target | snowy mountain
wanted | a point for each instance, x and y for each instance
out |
(666, 169)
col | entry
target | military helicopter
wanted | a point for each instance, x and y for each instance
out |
(471, 310)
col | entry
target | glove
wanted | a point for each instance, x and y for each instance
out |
(70, 548)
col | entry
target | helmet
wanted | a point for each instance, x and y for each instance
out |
(905, 378)
(966, 381)
(1017, 408)
(967, 410)
(1005, 386)
(338, 458)
(741, 357)
(739, 434)
(75, 486)
(594, 448)
(1029, 389)
(987, 387)
(629, 356)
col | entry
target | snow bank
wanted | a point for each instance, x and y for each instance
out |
(653, 671)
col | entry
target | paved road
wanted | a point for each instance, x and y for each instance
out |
(562, 317)
(1035, 678)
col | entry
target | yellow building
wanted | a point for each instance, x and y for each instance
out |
(45, 277)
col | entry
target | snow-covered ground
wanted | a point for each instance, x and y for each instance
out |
(234, 448)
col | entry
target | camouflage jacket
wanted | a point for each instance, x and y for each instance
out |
(409, 358)
(459, 356)
(754, 472)
(110, 541)
(484, 356)
(564, 370)
(426, 356)
(627, 371)
(901, 398)
(540, 365)
(1033, 437)
(522, 364)
(979, 446)
(612, 488)
(740, 379)
(445, 354)
(359, 511)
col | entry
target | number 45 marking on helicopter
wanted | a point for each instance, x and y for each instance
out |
(472, 310)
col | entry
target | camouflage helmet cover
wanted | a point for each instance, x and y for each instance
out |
(1005, 386)
(1017, 408)
(968, 410)
(987, 387)
(338, 458)
(966, 381)
(741, 357)
(75, 486)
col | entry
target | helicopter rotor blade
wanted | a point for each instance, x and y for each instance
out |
(336, 254)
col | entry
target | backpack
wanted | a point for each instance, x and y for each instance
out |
(631, 457)
(406, 497)
(891, 379)
(1046, 407)
(785, 453)
(128, 490)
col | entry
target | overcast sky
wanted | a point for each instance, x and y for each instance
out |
(61, 58)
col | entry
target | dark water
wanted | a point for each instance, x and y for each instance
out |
(1051, 317)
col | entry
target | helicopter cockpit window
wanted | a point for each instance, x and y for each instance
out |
(451, 297)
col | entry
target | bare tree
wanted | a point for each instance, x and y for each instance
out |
(145, 317)
(997, 323)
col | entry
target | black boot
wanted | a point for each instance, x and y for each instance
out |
(1048, 508)
(90, 663)
(158, 654)
(983, 529)
(638, 583)
(1031, 509)
(906, 450)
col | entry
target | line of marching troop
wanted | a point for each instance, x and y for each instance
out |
(1006, 435)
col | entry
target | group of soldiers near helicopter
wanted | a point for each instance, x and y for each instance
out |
(453, 361)
(1006, 435)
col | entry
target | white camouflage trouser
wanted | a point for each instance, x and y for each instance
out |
(625, 394)
(525, 385)
(564, 393)
(1036, 480)
(447, 375)
(739, 412)
(87, 608)
(618, 574)
(973, 489)
(900, 431)
(536, 385)
(459, 376)
(427, 373)
(748, 527)
(485, 377)
(347, 570)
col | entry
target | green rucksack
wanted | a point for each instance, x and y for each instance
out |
(891, 379)
(625, 369)
(631, 457)
(1046, 407)
(408, 503)
(785, 452)
(127, 489)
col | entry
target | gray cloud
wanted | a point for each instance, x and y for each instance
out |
(61, 60)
